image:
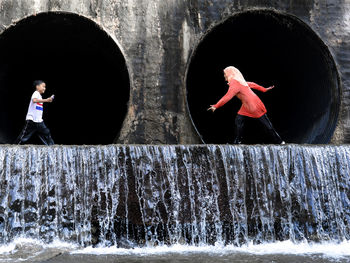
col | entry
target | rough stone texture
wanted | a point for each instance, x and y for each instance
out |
(158, 37)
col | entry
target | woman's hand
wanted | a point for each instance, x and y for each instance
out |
(270, 88)
(212, 108)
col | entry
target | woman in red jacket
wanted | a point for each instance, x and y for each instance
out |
(252, 106)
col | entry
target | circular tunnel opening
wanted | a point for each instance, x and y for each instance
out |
(269, 48)
(80, 63)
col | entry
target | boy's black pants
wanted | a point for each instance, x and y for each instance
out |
(264, 120)
(32, 127)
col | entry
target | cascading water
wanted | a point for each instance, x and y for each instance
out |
(152, 195)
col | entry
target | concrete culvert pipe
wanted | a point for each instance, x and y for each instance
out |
(269, 48)
(80, 63)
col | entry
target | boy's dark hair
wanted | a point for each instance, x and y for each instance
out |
(37, 82)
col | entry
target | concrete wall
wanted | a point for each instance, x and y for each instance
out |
(158, 37)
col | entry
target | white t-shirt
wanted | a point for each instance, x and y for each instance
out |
(35, 110)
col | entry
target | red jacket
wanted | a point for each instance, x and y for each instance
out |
(252, 106)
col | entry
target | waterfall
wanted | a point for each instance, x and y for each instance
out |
(161, 195)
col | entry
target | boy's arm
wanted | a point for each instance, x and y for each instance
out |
(42, 100)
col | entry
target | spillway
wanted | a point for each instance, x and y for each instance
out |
(130, 196)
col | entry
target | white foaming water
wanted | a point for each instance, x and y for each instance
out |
(327, 249)
(23, 241)
(7, 248)
(31, 249)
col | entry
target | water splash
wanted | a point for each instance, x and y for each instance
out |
(132, 196)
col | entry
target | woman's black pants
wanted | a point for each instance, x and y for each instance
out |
(264, 120)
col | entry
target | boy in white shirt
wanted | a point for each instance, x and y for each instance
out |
(34, 118)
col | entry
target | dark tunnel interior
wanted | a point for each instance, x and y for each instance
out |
(270, 49)
(80, 64)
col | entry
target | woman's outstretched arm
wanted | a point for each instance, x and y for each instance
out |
(232, 91)
(253, 85)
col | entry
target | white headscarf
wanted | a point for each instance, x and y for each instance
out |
(234, 73)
